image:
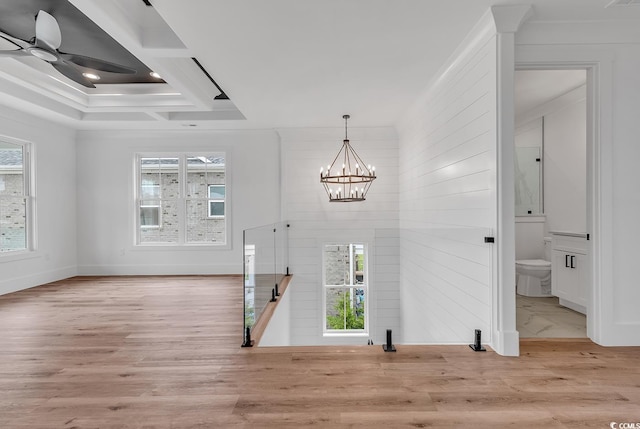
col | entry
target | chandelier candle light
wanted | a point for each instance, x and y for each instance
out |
(348, 178)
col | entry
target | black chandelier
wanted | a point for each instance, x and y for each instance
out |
(351, 180)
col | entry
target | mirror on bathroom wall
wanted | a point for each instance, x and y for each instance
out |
(528, 181)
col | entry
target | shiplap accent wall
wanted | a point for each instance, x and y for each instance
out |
(448, 200)
(315, 221)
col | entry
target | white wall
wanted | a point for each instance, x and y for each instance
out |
(529, 134)
(54, 149)
(563, 121)
(529, 237)
(106, 210)
(625, 329)
(277, 333)
(613, 49)
(315, 221)
(448, 199)
(564, 169)
(565, 164)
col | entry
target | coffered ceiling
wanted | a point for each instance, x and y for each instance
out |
(260, 64)
(127, 33)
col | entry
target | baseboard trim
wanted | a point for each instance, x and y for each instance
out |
(156, 270)
(506, 343)
(25, 282)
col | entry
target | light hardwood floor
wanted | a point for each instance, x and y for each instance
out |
(164, 352)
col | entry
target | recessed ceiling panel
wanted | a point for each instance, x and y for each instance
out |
(79, 36)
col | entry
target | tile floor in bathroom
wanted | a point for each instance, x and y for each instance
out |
(546, 318)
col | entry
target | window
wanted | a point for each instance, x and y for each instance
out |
(181, 199)
(15, 197)
(345, 288)
(216, 202)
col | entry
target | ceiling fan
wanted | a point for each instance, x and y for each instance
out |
(45, 46)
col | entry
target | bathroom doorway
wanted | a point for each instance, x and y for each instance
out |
(551, 204)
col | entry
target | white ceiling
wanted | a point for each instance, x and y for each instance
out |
(283, 63)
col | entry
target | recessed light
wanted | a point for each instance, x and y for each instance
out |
(91, 76)
(155, 75)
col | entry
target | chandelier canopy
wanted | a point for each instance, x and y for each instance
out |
(348, 178)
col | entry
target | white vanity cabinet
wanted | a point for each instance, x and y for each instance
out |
(569, 269)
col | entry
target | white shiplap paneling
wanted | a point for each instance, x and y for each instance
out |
(315, 221)
(448, 201)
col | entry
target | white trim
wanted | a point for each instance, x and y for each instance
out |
(31, 280)
(599, 66)
(531, 219)
(365, 285)
(504, 337)
(216, 200)
(28, 172)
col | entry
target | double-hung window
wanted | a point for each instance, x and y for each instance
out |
(181, 199)
(345, 288)
(16, 217)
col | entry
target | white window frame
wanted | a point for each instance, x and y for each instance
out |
(217, 200)
(365, 285)
(28, 194)
(181, 201)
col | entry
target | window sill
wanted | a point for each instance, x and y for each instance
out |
(345, 334)
(183, 247)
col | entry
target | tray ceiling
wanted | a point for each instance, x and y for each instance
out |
(128, 33)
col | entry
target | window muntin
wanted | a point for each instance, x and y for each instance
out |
(15, 197)
(173, 199)
(345, 288)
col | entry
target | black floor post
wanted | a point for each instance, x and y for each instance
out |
(477, 345)
(248, 342)
(389, 346)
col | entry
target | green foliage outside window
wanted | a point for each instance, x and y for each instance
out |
(348, 315)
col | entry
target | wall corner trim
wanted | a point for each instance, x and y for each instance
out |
(508, 19)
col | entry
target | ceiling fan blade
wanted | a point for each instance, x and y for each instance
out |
(73, 74)
(19, 53)
(18, 42)
(47, 31)
(96, 64)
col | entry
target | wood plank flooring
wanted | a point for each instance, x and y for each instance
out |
(164, 352)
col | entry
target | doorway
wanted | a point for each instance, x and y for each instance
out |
(550, 203)
(599, 70)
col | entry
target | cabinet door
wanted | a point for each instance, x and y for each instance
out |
(580, 268)
(562, 278)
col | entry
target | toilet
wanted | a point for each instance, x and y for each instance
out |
(534, 275)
